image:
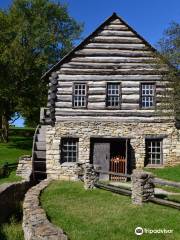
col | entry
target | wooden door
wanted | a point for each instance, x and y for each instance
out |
(101, 157)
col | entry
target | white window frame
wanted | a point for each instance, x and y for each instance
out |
(148, 93)
(79, 95)
(113, 96)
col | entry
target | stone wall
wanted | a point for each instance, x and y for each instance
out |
(84, 130)
(24, 168)
(90, 176)
(11, 194)
(35, 223)
(142, 186)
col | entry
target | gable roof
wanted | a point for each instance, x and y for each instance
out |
(67, 57)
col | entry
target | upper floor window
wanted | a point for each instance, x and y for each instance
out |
(80, 95)
(113, 95)
(69, 150)
(147, 95)
(153, 151)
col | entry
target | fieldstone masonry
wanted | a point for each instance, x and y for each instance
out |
(11, 195)
(142, 186)
(90, 176)
(24, 168)
(85, 130)
(35, 223)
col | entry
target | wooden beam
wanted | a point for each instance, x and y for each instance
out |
(116, 65)
(164, 202)
(120, 33)
(111, 52)
(129, 119)
(164, 182)
(106, 39)
(114, 59)
(82, 71)
(127, 77)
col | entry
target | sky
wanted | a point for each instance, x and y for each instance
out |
(148, 17)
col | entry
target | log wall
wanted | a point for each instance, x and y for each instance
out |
(114, 54)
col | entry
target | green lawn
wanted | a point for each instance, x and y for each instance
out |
(20, 143)
(102, 215)
(16, 147)
(11, 231)
(11, 178)
(169, 173)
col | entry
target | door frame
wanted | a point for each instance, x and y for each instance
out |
(110, 140)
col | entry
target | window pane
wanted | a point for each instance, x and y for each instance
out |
(69, 150)
(113, 95)
(147, 95)
(153, 151)
(80, 95)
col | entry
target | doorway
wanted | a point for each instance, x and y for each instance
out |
(110, 154)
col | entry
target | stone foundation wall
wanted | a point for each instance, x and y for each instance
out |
(11, 194)
(35, 223)
(84, 130)
(24, 168)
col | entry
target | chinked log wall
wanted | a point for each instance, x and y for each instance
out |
(114, 54)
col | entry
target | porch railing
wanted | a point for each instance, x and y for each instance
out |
(117, 165)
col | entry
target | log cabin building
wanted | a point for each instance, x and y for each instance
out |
(102, 107)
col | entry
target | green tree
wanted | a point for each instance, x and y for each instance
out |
(169, 46)
(35, 35)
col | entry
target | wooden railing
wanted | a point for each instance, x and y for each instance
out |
(7, 168)
(164, 182)
(117, 165)
(113, 173)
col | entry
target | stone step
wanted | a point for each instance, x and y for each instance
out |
(41, 146)
(40, 155)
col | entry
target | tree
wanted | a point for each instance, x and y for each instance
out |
(35, 35)
(169, 46)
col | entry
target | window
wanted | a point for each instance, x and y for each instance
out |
(153, 151)
(69, 150)
(113, 95)
(147, 95)
(80, 95)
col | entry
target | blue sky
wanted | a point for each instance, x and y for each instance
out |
(149, 18)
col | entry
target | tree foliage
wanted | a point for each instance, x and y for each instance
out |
(169, 46)
(34, 35)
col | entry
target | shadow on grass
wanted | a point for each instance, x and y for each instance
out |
(2, 235)
(11, 229)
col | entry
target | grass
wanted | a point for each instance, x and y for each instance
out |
(102, 215)
(11, 231)
(19, 144)
(169, 173)
(16, 147)
(175, 198)
(11, 178)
